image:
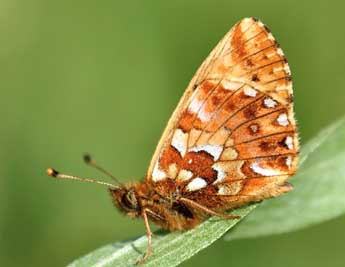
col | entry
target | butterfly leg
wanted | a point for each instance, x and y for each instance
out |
(149, 237)
(195, 205)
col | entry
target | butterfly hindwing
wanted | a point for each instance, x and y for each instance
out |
(232, 138)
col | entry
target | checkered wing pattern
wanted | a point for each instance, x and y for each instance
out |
(232, 138)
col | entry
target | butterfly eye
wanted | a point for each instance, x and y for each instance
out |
(129, 200)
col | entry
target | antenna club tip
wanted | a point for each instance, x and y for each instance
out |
(52, 172)
(87, 158)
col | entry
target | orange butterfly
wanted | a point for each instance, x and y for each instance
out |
(232, 139)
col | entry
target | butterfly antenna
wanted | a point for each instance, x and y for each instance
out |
(91, 162)
(54, 173)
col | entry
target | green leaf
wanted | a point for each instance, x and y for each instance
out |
(170, 249)
(318, 193)
(318, 196)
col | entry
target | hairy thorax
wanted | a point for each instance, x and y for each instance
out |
(163, 209)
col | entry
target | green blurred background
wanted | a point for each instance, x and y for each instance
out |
(104, 77)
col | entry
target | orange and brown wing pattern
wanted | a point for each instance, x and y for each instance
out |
(233, 135)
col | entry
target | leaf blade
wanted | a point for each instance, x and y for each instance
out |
(169, 249)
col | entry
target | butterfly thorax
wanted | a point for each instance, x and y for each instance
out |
(164, 209)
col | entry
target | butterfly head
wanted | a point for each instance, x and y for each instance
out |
(125, 199)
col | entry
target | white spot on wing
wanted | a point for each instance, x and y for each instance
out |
(270, 103)
(179, 141)
(213, 150)
(248, 91)
(172, 171)
(196, 184)
(195, 105)
(270, 36)
(289, 142)
(204, 116)
(271, 54)
(280, 51)
(157, 174)
(283, 120)
(263, 171)
(230, 85)
(260, 24)
(284, 68)
(278, 69)
(246, 23)
(184, 175)
(254, 128)
(220, 174)
(288, 161)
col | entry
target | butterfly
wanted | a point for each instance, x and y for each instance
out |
(232, 140)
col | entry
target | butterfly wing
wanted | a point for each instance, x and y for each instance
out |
(232, 138)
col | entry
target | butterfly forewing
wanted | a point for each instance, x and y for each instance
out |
(232, 138)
